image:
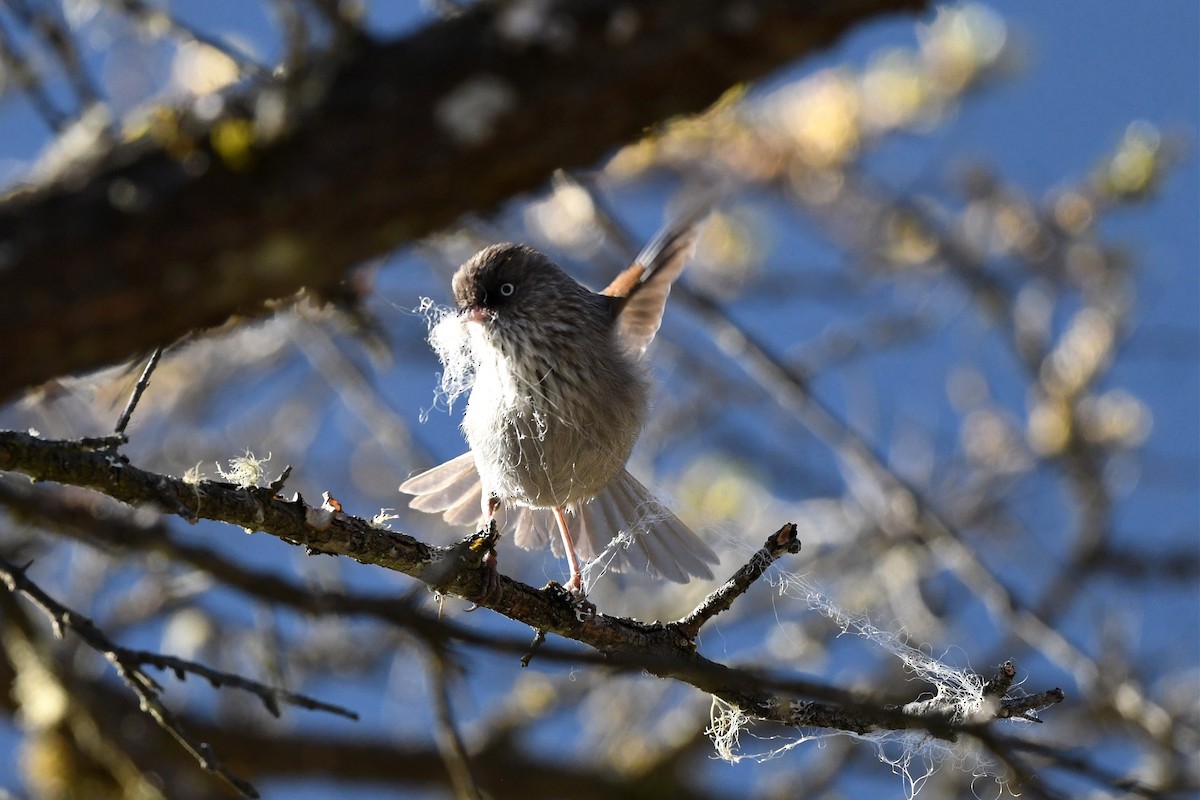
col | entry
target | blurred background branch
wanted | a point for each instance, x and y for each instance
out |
(283, 188)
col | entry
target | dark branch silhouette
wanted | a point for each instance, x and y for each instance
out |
(383, 143)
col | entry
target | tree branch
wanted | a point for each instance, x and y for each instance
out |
(661, 649)
(199, 219)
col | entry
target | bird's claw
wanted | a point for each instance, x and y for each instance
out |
(480, 553)
(491, 582)
(581, 607)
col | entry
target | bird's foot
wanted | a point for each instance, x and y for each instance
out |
(480, 553)
(491, 582)
(581, 607)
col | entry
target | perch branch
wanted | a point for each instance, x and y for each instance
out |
(658, 648)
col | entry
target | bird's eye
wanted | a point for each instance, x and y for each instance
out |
(507, 290)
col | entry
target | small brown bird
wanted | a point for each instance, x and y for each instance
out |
(559, 397)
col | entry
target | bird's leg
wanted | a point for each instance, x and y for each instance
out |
(576, 583)
(491, 504)
(584, 609)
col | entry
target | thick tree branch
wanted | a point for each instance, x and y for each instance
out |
(196, 220)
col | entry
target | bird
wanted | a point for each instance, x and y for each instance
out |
(559, 396)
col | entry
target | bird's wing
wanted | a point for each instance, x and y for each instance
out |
(642, 289)
(625, 528)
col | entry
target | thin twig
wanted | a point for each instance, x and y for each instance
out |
(539, 639)
(1080, 766)
(294, 32)
(782, 541)
(271, 696)
(337, 17)
(149, 15)
(143, 686)
(140, 387)
(1027, 707)
(1022, 779)
(147, 693)
(54, 34)
(1002, 681)
(23, 75)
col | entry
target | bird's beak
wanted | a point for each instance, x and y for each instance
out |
(474, 314)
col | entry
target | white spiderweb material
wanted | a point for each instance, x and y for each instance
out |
(913, 755)
(451, 341)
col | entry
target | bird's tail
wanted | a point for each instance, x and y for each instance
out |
(624, 527)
